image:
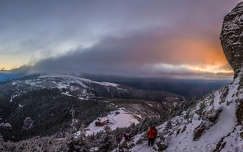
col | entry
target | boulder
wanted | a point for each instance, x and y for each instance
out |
(232, 38)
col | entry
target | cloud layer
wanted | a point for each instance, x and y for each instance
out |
(136, 37)
(143, 53)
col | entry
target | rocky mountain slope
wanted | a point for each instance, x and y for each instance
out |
(215, 124)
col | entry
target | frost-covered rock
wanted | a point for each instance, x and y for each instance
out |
(5, 125)
(232, 37)
(28, 123)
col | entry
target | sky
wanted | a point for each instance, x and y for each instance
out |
(119, 37)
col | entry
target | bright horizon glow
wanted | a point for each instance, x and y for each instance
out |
(214, 69)
(209, 69)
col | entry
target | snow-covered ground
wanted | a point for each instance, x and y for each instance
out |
(117, 119)
(143, 148)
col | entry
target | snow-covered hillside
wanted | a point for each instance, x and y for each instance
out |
(213, 125)
(76, 86)
(71, 85)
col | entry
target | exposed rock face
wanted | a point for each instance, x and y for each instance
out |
(232, 37)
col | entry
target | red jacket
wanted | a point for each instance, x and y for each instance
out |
(152, 133)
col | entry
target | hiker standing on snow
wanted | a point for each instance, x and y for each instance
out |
(152, 134)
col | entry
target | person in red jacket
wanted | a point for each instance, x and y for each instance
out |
(152, 134)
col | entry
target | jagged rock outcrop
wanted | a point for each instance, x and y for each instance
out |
(232, 37)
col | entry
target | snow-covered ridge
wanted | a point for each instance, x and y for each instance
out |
(72, 85)
(60, 81)
(210, 126)
(78, 79)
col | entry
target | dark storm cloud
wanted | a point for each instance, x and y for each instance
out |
(125, 36)
(134, 54)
